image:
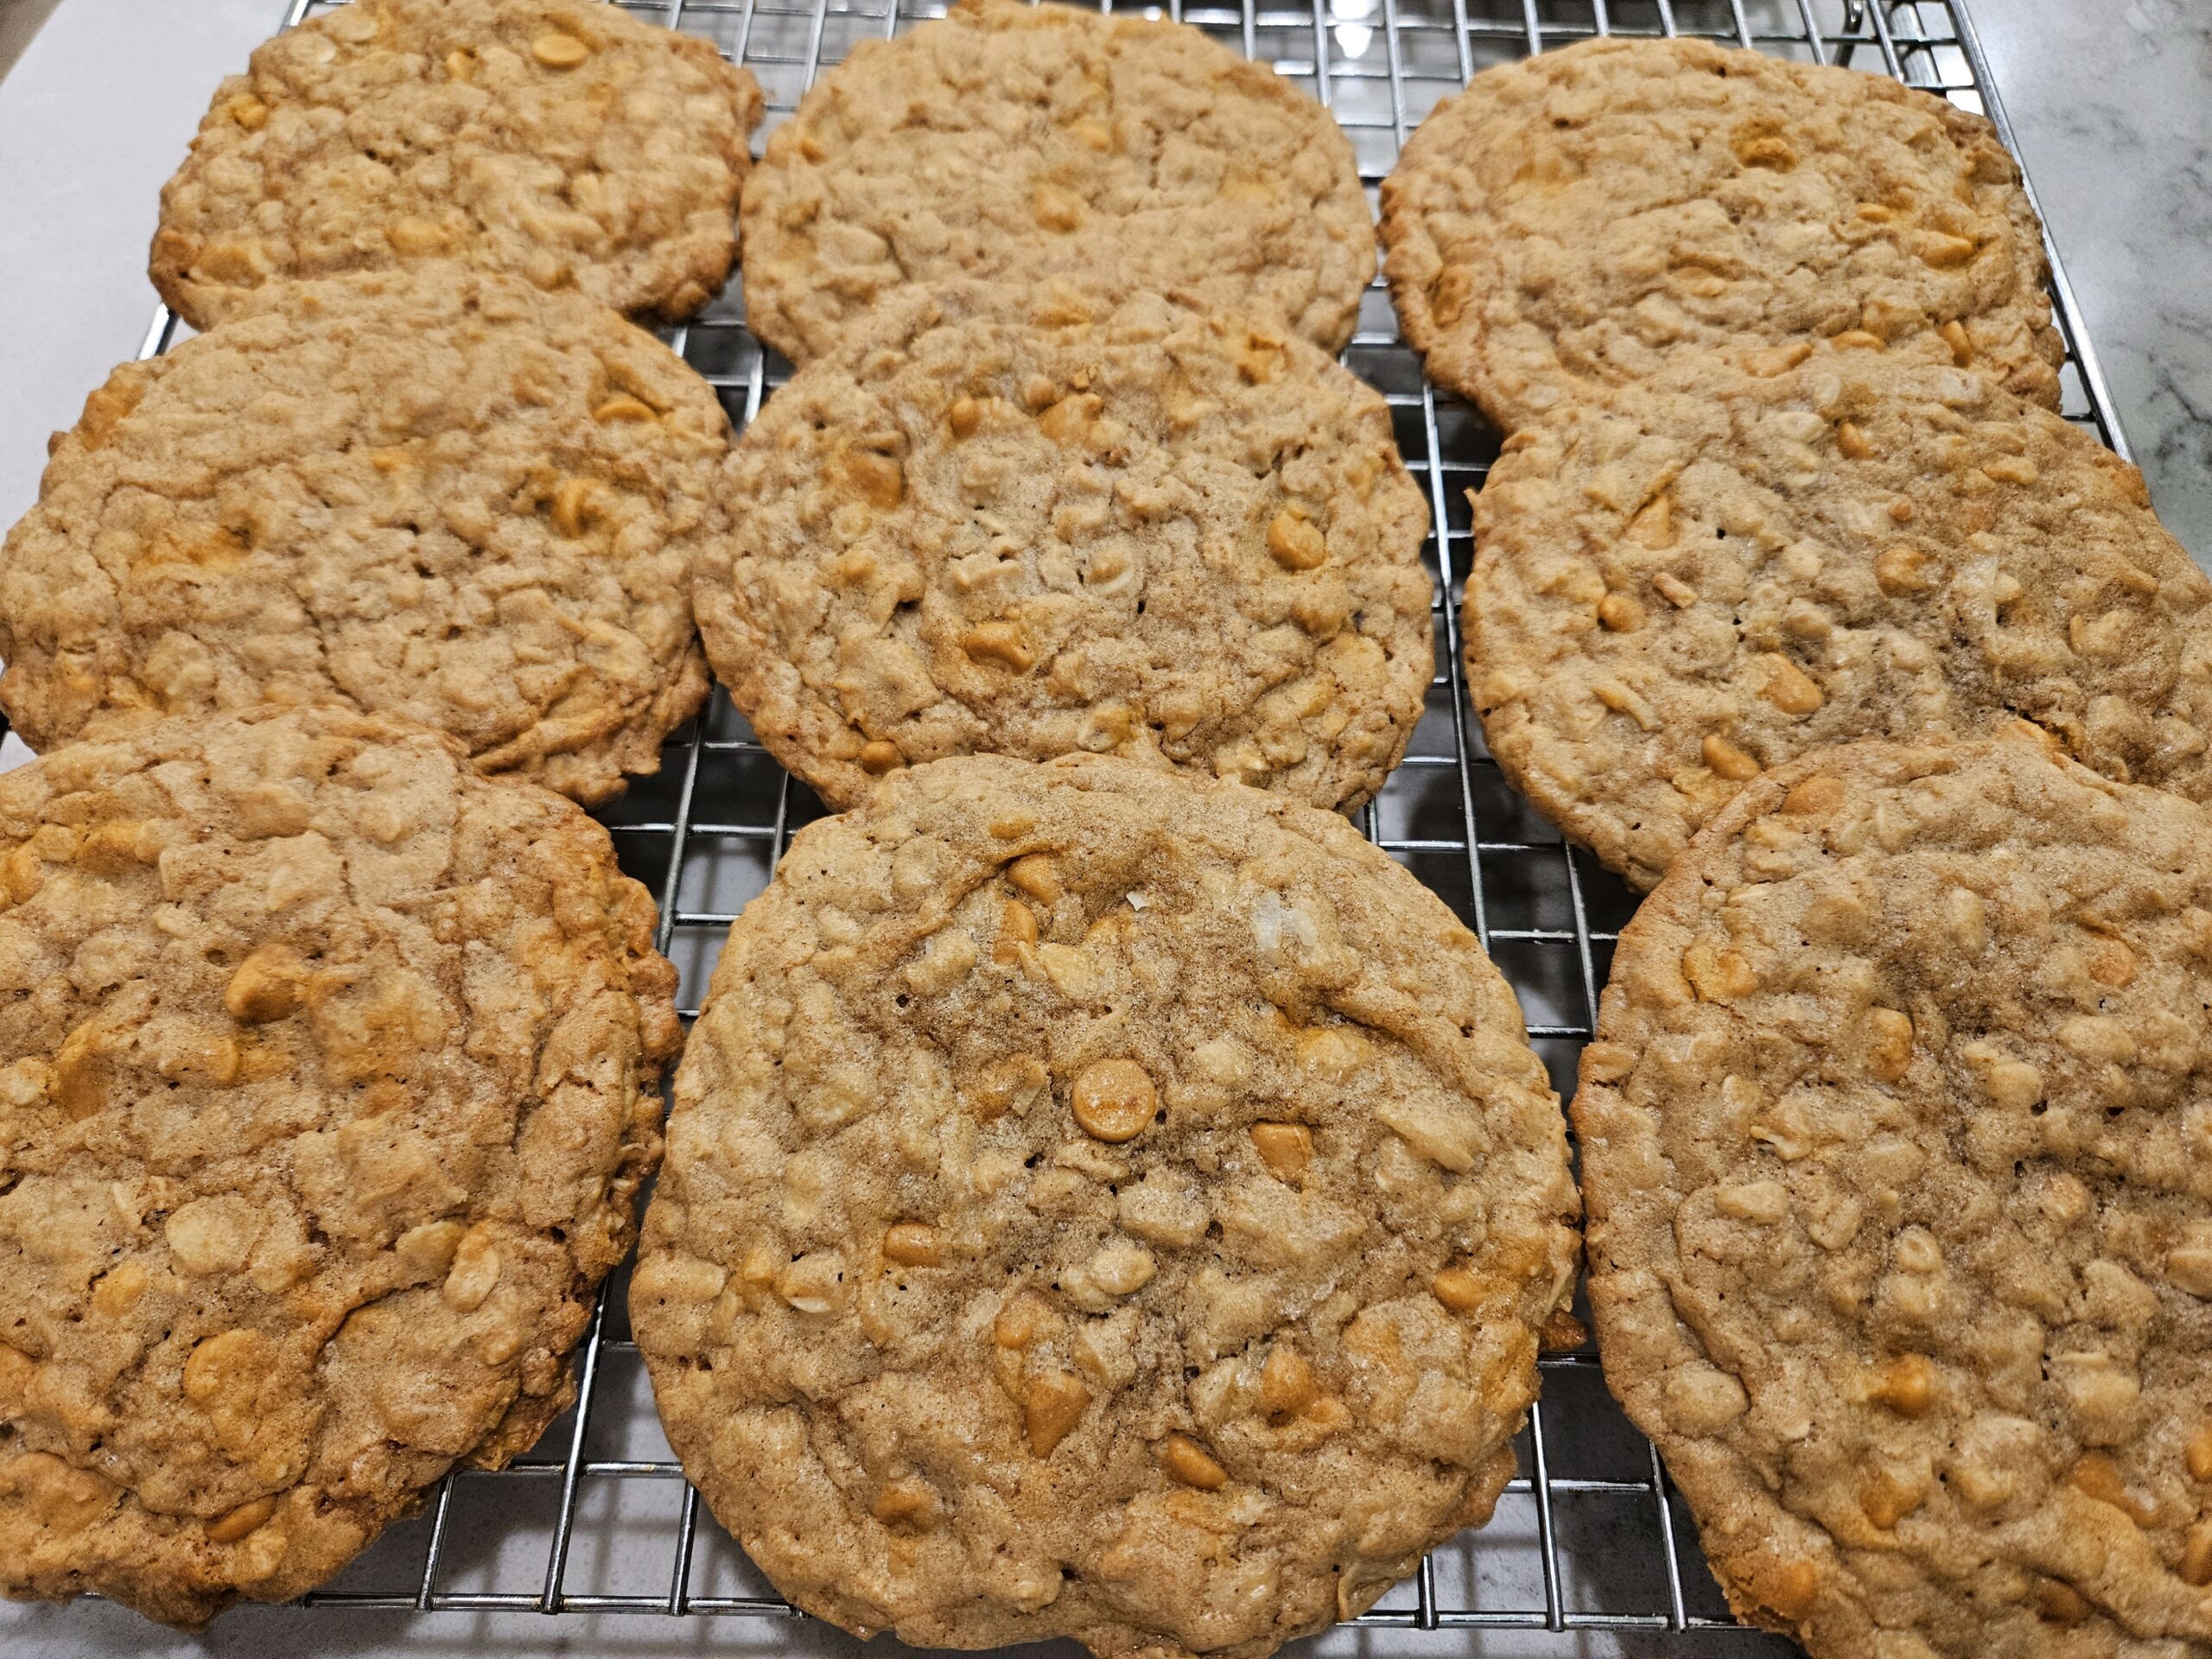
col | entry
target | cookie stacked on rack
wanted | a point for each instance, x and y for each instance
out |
(1066, 466)
(1037, 519)
(1770, 345)
(416, 464)
(329, 1069)
(1794, 601)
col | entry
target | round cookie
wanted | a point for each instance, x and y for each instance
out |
(1582, 219)
(1102, 1203)
(436, 492)
(996, 520)
(326, 1083)
(1014, 143)
(561, 141)
(1894, 1139)
(1687, 580)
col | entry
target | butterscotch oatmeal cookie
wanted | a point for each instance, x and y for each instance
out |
(1686, 581)
(1584, 217)
(559, 140)
(997, 520)
(1895, 1141)
(326, 1083)
(437, 493)
(1014, 141)
(1102, 1204)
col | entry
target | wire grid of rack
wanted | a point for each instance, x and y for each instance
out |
(1589, 1547)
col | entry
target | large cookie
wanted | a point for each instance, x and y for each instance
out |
(434, 493)
(1687, 580)
(1011, 520)
(1014, 141)
(559, 140)
(1582, 219)
(326, 1083)
(1894, 1137)
(1101, 1203)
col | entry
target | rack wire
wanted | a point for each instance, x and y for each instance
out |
(1590, 1551)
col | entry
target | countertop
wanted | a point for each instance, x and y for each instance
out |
(2111, 103)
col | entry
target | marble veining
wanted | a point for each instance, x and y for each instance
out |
(2111, 104)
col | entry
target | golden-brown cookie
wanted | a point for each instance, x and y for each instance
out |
(1101, 1203)
(1017, 143)
(327, 1080)
(1688, 579)
(434, 493)
(1026, 522)
(1895, 1140)
(1580, 220)
(562, 141)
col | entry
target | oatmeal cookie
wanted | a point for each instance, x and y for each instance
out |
(436, 493)
(559, 140)
(1014, 141)
(1894, 1139)
(327, 1080)
(1101, 1203)
(1584, 217)
(1685, 582)
(996, 520)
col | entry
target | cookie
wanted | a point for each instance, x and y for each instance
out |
(1581, 220)
(1893, 1138)
(995, 519)
(1104, 1203)
(326, 1083)
(1015, 142)
(437, 493)
(1687, 580)
(561, 141)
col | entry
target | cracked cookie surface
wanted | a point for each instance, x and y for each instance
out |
(1013, 520)
(437, 493)
(1895, 1140)
(561, 141)
(327, 1078)
(1685, 582)
(1583, 218)
(1100, 1202)
(1015, 142)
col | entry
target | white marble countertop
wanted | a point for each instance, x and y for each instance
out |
(2111, 106)
(2110, 101)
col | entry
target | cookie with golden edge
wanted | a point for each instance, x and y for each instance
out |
(1034, 522)
(1894, 1137)
(327, 1080)
(434, 493)
(560, 140)
(1684, 581)
(1580, 220)
(1101, 1203)
(1019, 142)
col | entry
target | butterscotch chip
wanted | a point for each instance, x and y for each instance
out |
(1018, 143)
(560, 140)
(1085, 564)
(1924, 1350)
(391, 490)
(1140, 1347)
(2026, 579)
(1583, 218)
(271, 1266)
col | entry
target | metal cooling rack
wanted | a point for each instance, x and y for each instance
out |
(1589, 1553)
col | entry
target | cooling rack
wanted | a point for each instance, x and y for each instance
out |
(1590, 1553)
